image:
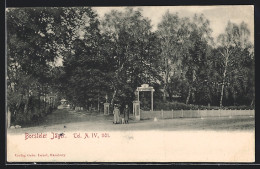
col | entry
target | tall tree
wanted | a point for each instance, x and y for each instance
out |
(200, 39)
(84, 64)
(183, 42)
(30, 51)
(168, 33)
(134, 51)
(232, 47)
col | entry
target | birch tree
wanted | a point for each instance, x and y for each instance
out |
(232, 43)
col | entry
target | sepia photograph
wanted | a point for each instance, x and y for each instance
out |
(130, 84)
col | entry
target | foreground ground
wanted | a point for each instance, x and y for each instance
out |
(171, 140)
(81, 121)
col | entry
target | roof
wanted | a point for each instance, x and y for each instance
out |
(145, 87)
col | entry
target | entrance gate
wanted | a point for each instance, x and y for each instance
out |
(136, 104)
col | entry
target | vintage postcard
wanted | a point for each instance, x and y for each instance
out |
(130, 84)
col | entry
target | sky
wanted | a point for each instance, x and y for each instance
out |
(217, 15)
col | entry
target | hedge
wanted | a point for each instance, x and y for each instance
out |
(183, 106)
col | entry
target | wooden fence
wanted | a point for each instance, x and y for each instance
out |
(194, 114)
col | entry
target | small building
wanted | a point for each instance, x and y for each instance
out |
(63, 104)
(63, 101)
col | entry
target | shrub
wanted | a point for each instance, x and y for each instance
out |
(183, 106)
(242, 107)
(34, 112)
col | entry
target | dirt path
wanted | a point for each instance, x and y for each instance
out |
(63, 120)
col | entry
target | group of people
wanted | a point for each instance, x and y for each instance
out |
(121, 118)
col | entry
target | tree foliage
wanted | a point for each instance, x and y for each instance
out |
(115, 54)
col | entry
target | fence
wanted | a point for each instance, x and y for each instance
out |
(194, 113)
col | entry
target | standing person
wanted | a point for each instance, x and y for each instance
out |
(126, 113)
(116, 113)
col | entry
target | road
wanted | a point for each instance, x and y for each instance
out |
(80, 121)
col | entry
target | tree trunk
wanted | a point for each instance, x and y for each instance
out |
(27, 102)
(170, 96)
(113, 98)
(190, 87)
(252, 102)
(188, 97)
(98, 102)
(234, 103)
(39, 98)
(221, 95)
(193, 80)
(164, 93)
(45, 91)
(165, 80)
(224, 78)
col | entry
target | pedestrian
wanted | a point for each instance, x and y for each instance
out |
(116, 113)
(126, 113)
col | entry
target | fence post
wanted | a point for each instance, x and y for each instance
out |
(199, 114)
(162, 113)
(181, 113)
(172, 113)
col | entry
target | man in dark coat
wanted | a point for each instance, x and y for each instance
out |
(126, 113)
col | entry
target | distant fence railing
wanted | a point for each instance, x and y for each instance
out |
(194, 113)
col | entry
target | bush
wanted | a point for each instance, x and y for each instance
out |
(35, 111)
(183, 106)
(174, 106)
(242, 107)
